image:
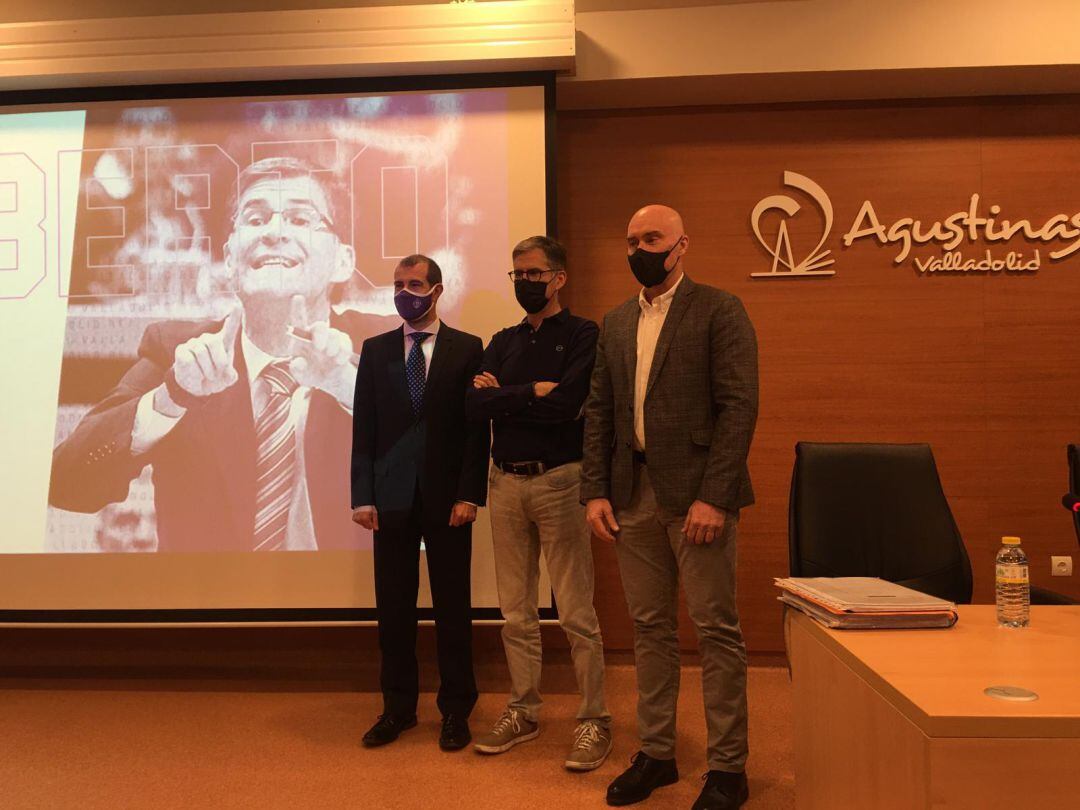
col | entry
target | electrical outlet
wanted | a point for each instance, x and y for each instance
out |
(1061, 566)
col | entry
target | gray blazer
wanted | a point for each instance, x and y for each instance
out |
(700, 405)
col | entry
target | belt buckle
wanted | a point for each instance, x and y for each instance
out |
(526, 467)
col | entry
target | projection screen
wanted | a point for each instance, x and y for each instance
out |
(125, 229)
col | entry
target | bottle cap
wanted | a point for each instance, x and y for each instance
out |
(1010, 541)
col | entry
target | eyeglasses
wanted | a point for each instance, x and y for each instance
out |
(301, 218)
(532, 274)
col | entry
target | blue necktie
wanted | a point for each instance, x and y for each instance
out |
(415, 371)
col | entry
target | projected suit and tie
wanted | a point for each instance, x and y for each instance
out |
(238, 417)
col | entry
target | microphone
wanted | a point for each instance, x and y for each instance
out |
(1071, 502)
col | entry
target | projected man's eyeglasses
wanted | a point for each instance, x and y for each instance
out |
(305, 218)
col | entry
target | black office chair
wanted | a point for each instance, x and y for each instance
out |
(1042, 596)
(875, 510)
(1072, 453)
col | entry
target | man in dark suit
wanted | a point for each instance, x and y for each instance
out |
(419, 472)
(245, 424)
(668, 425)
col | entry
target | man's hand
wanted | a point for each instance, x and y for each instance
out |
(542, 389)
(462, 513)
(324, 361)
(601, 519)
(204, 365)
(704, 523)
(485, 380)
(367, 516)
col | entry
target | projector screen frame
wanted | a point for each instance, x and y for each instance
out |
(286, 87)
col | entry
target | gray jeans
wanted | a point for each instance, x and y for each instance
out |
(530, 515)
(653, 556)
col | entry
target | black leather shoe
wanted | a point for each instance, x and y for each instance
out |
(387, 729)
(723, 791)
(637, 782)
(455, 733)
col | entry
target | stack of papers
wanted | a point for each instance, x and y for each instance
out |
(864, 603)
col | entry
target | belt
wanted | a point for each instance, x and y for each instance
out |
(525, 467)
(639, 456)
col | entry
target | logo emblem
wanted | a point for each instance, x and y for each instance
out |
(783, 263)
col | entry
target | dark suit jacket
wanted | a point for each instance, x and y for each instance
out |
(442, 450)
(700, 404)
(204, 468)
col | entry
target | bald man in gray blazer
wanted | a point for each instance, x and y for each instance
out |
(668, 425)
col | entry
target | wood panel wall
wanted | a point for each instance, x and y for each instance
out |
(984, 368)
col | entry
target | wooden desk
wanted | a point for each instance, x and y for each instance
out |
(898, 719)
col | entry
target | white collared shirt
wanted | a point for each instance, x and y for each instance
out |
(650, 323)
(428, 346)
(300, 533)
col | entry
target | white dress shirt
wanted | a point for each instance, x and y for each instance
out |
(427, 347)
(151, 427)
(650, 322)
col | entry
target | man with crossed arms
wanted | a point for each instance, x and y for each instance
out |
(532, 385)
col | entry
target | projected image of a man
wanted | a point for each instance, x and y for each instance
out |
(244, 420)
(286, 257)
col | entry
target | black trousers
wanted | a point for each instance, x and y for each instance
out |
(397, 582)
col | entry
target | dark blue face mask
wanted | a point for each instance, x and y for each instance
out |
(413, 307)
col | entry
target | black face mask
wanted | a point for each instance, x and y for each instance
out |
(532, 295)
(648, 267)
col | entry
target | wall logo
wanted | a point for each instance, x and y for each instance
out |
(950, 234)
(783, 263)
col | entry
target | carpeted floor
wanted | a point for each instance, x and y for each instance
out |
(112, 749)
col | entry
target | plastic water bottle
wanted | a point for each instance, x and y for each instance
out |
(1013, 586)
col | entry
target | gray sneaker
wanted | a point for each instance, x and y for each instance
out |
(509, 730)
(592, 744)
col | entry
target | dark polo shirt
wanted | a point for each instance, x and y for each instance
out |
(530, 428)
